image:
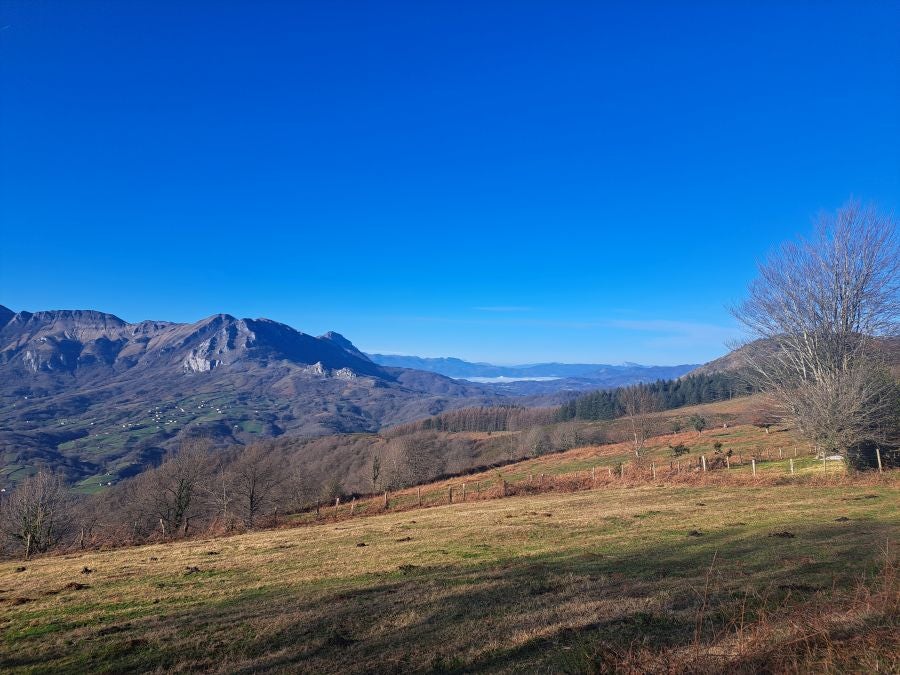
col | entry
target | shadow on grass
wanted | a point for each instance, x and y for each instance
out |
(543, 612)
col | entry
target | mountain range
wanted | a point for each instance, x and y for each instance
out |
(563, 376)
(90, 394)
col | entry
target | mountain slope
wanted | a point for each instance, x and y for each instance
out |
(90, 393)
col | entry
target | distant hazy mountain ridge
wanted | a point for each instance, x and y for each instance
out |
(603, 374)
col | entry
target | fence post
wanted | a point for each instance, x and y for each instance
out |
(780, 453)
(317, 507)
(824, 461)
(622, 471)
(741, 458)
(502, 487)
(653, 470)
(419, 495)
(27, 545)
(703, 461)
(593, 475)
(727, 462)
(609, 468)
(464, 492)
(337, 502)
(385, 499)
(878, 456)
(753, 464)
(795, 452)
(353, 506)
(792, 466)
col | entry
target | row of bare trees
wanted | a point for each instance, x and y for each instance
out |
(194, 488)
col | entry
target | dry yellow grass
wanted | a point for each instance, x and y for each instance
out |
(548, 582)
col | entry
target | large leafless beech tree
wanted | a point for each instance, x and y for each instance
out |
(816, 311)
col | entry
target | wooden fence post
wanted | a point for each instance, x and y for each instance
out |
(502, 487)
(727, 462)
(703, 462)
(795, 452)
(780, 453)
(622, 471)
(419, 495)
(385, 499)
(753, 464)
(27, 545)
(352, 506)
(449, 494)
(593, 476)
(653, 470)
(464, 492)
(609, 468)
(878, 456)
(317, 507)
(792, 466)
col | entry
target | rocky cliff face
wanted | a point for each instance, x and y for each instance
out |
(75, 342)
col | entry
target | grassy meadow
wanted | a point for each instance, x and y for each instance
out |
(737, 576)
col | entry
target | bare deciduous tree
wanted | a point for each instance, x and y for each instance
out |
(637, 402)
(256, 476)
(35, 515)
(817, 310)
(170, 493)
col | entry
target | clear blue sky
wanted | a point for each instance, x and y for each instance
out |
(508, 181)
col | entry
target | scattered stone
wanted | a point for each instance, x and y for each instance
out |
(782, 535)
(191, 569)
(842, 519)
(362, 543)
(212, 553)
(700, 504)
(74, 586)
(21, 569)
(695, 533)
(86, 570)
(154, 559)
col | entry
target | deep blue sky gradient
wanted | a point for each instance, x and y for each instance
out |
(504, 181)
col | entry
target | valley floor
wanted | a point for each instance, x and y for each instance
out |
(678, 578)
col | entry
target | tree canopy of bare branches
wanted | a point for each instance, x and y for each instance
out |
(638, 402)
(816, 311)
(35, 514)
